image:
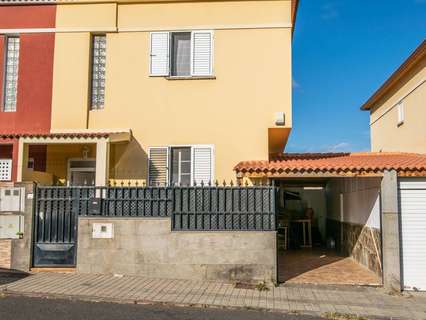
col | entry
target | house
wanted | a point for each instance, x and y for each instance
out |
(165, 97)
(397, 107)
(126, 84)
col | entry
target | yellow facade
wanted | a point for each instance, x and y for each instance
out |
(410, 136)
(234, 110)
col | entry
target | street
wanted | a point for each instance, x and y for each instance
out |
(23, 308)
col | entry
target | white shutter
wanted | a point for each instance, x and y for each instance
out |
(5, 169)
(202, 53)
(158, 166)
(412, 203)
(203, 164)
(159, 62)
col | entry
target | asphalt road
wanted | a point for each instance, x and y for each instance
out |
(23, 308)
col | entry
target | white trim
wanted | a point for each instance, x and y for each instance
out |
(277, 25)
(147, 29)
(399, 101)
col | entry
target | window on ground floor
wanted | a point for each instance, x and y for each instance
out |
(181, 165)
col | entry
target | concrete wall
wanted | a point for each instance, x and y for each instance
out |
(147, 247)
(354, 219)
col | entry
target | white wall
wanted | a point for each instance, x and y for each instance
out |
(361, 200)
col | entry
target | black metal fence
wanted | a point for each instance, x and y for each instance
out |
(201, 208)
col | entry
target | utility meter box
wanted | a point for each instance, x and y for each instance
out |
(102, 230)
(11, 226)
(12, 199)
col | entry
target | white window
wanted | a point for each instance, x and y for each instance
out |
(10, 91)
(401, 113)
(98, 72)
(181, 165)
(5, 169)
(181, 54)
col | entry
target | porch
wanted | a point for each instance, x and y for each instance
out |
(67, 158)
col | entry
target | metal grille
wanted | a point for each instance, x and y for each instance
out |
(224, 208)
(11, 74)
(5, 169)
(98, 71)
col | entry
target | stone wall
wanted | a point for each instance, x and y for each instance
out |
(5, 253)
(148, 247)
(360, 242)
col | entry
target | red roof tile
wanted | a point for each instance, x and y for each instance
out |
(70, 135)
(336, 163)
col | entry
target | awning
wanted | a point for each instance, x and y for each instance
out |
(334, 165)
(71, 136)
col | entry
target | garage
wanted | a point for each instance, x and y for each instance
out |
(348, 218)
(412, 206)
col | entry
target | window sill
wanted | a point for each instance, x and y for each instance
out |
(190, 77)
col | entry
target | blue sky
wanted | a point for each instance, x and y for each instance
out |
(343, 50)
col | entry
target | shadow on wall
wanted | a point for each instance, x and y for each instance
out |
(129, 162)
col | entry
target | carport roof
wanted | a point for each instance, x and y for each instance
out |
(334, 164)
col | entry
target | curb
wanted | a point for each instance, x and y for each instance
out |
(96, 299)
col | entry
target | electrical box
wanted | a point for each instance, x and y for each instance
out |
(11, 226)
(102, 230)
(95, 206)
(12, 199)
(279, 118)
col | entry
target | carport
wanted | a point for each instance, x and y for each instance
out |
(339, 218)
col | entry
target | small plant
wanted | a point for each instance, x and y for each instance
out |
(341, 316)
(20, 235)
(262, 286)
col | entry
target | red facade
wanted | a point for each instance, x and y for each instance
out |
(35, 72)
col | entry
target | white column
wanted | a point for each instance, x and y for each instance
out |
(102, 162)
(22, 160)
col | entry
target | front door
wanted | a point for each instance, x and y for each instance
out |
(82, 178)
(81, 172)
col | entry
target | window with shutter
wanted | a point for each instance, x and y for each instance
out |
(159, 65)
(203, 164)
(202, 53)
(158, 166)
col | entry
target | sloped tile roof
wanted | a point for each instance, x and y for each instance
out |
(336, 163)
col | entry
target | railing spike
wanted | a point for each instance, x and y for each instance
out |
(216, 183)
(202, 183)
(210, 183)
(224, 183)
(246, 183)
(136, 183)
(232, 183)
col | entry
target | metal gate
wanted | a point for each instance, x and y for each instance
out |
(55, 225)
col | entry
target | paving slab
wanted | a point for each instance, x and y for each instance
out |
(370, 302)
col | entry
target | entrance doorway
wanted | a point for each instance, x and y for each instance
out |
(322, 231)
(81, 172)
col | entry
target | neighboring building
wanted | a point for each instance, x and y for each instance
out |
(397, 108)
(26, 70)
(154, 92)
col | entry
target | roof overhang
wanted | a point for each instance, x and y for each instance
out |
(71, 136)
(408, 64)
(330, 165)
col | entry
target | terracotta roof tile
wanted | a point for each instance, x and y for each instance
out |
(336, 163)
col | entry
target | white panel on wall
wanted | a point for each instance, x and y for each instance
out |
(412, 197)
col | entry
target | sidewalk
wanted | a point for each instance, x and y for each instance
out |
(314, 300)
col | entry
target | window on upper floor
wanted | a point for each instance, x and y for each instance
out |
(181, 165)
(401, 113)
(98, 61)
(181, 54)
(10, 90)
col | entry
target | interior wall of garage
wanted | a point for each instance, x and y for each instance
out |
(353, 219)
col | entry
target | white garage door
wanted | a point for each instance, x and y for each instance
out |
(412, 197)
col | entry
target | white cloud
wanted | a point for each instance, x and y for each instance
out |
(295, 84)
(338, 147)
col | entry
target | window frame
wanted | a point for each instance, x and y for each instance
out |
(169, 76)
(400, 113)
(93, 107)
(169, 159)
(4, 77)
